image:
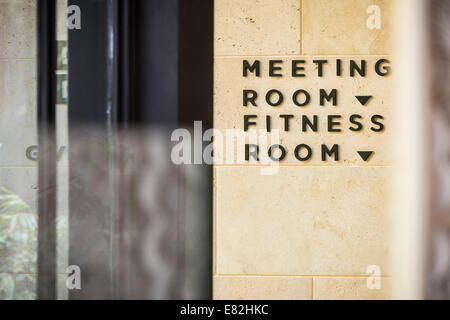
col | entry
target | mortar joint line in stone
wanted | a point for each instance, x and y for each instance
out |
(301, 55)
(300, 165)
(362, 276)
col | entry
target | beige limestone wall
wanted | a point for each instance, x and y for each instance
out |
(311, 230)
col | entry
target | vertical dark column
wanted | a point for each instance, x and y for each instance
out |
(195, 103)
(126, 277)
(91, 59)
(156, 59)
(129, 69)
(196, 34)
(125, 26)
(46, 17)
(147, 102)
(92, 69)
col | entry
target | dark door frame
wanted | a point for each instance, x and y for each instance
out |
(133, 63)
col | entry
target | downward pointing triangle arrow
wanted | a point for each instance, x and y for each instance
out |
(363, 99)
(365, 155)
